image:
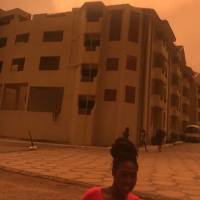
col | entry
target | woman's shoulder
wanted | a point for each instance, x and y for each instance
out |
(131, 196)
(93, 193)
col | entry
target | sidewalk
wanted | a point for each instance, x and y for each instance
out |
(159, 174)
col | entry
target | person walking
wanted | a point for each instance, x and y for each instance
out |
(160, 136)
(143, 139)
(126, 133)
(124, 172)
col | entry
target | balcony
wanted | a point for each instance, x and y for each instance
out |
(186, 83)
(91, 56)
(88, 88)
(91, 49)
(174, 89)
(160, 47)
(184, 117)
(157, 73)
(174, 110)
(157, 101)
(176, 70)
(185, 99)
(94, 26)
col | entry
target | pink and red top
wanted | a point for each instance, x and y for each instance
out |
(95, 193)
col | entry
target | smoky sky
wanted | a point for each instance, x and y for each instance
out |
(183, 16)
(32, 6)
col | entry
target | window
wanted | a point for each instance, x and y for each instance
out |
(49, 62)
(88, 72)
(6, 20)
(175, 59)
(92, 41)
(131, 62)
(159, 35)
(18, 64)
(1, 89)
(164, 71)
(112, 64)
(185, 108)
(185, 92)
(86, 104)
(158, 87)
(14, 96)
(175, 80)
(156, 117)
(22, 38)
(110, 95)
(184, 124)
(53, 36)
(94, 14)
(175, 100)
(130, 94)
(115, 25)
(174, 122)
(22, 19)
(198, 103)
(1, 65)
(159, 60)
(198, 89)
(3, 42)
(45, 99)
(134, 25)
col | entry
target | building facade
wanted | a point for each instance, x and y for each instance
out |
(81, 77)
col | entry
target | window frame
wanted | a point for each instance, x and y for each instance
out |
(130, 94)
(48, 67)
(52, 37)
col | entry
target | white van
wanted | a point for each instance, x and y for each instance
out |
(192, 133)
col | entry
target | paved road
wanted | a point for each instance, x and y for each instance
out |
(21, 187)
(15, 186)
(175, 172)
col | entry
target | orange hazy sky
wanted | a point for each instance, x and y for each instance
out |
(183, 16)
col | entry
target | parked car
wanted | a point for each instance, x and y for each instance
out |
(192, 133)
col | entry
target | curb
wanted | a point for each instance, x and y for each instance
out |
(38, 175)
(59, 145)
(154, 147)
(78, 146)
(141, 195)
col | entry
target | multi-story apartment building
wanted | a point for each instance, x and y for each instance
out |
(195, 99)
(187, 96)
(81, 77)
(175, 89)
(197, 92)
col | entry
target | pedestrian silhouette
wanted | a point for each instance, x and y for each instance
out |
(126, 133)
(143, 139)
(160, 136)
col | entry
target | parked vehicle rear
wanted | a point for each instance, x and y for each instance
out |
(192, 133)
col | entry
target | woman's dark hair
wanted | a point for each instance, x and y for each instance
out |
(122, 150)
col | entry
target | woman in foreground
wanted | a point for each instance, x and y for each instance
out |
(124, 171)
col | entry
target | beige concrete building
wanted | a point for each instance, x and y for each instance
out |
(81, 77)
(195, 99)
(175, 90)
